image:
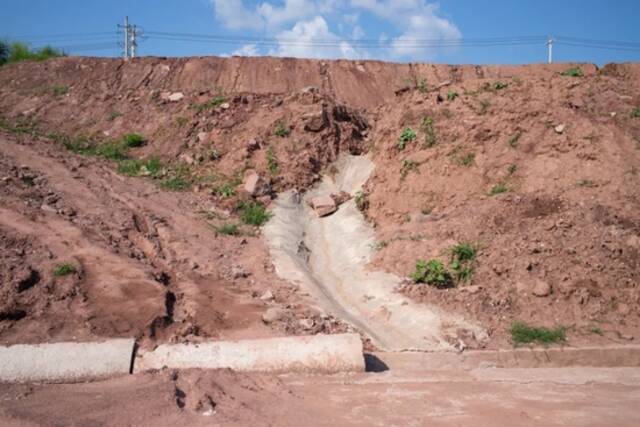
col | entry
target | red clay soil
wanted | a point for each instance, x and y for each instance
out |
(149, 262)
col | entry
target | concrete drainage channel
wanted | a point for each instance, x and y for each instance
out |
(73, 362)
(328, 256)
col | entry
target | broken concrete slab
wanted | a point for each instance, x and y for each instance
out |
(315, 353)
(324, 205)
(255, 185)
(66, 361)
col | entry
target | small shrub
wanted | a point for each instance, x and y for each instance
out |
(513, 141)
(112, 150)
(407, 135)
(430, 137)
(182, 121)
(408, 166)
(596, 330)
(379, 245)
(362, 203)
(210, 105)
(253, 213)
(432, 272)
(134, 167)
(114, 115)
(500, 85)
(133, 140)
(17, 52)
(228, 229)
(272, 161)
(175, 184)
(484, 106)
(64, 269)
(512, 169)
(59, 90)
(463, 251)
(462, 257)
(421, 85)
(573, 72)
(468, 159)
(635, 113)
(226, 190)
(452, 95)
(497, 189)
(281, 130)
(521, 333)
(586, 183)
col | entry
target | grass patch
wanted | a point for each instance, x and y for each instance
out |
(60, 90)
(635, 113)
(572, 72)
(133, 167)
(133, 140)
(210, 105)
(182, 121)
(362, 203)
(253, 213)
(513, 141)
(462, 257)
(521, 333)
(500, 85)
(467, 160)
(64, 269)
(596, 330)
(421, 85)
(272, 161)
(226, 190)
(114, 115)
(407, 135)
(512, 168)
(430, 137)
(433, 273)
(452, 95)
(228, 229)
(175, 184)
(408, 166)
(281, 130)
(498, 189)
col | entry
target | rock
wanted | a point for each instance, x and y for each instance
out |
(626, 337)
(341, 197)
(255, 185)
(473, 289)
(203, 136)
(323, 205)
(187, 158)
(48, 208)
(273, 314)
(559, 128)
(175, 97)
(252, 145)
(237, 272)
(315, 122)
(541, 288)
(306, 323)
(225, 105)
(267, 296)
(264, 200)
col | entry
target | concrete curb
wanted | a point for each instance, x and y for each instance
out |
(66, 362)
(556, 357)
(315, 353)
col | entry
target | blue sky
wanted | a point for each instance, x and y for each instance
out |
(335, 29)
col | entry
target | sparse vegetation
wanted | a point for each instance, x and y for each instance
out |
(228, 229)
(272, 161)
(573, 72)
(467, 160)
(484, 106)
(134, 167)
(60, 90)
(596, 330)
(497, 189)
(226, 190)
(133, 140)
(182, 121)
(433, 273)
(521, 333)
(513, 141)
(210, 105)
(253, 213)
(421, 85)
(362, 203)
(430, 137)
(176, 183)
(452, 95)
(18, 51)
(462, 257)
(407, 135)
(512, 168)
(586, 183)
(64, 269)
(114, 115)
(408, 166)
(379, 245)
(500, 85)
(281, 129)
(635, 113)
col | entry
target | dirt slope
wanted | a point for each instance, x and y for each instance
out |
(150, 264)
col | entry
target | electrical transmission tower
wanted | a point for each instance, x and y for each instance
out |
(131, 34)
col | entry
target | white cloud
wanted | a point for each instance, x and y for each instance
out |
(232, 14)
(247, 50)
(297, 42)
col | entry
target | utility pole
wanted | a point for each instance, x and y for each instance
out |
(126, 29)
(550, 49)
(134, 43)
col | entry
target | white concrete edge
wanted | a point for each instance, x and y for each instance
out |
(314, 353)
(66, 361)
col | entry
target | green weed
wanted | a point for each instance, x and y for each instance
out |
(432, 272)
(468, 159)
(512, 169)
(253, 213)
(430, 137)
(228, 229)
(573, 72)
(408, 166)
(114, 115)
(281, 130)
(226, 190)
(521, 333)
(133, 140)
(59, 90)
(272, 161)
(407, 135)
(635, 113)
(500, 85)
(497, 189)
(18, 51)
(175, 184)
(362, 203)
(210, 105)
(513, 141)
(64, 269)
(452, 95)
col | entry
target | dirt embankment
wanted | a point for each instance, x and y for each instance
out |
(560, 155)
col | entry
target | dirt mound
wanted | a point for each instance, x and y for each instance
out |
(536, 169)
